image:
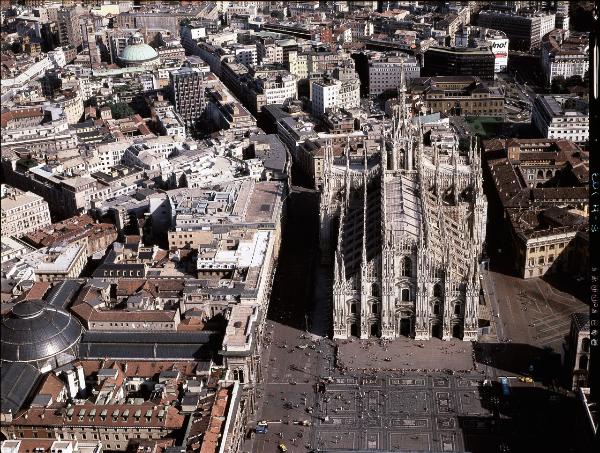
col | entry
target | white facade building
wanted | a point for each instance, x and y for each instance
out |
(385, 73)
(269, 53)
(324, 95)
(170, 123)
(565, 54)
(562, 117)
(246, 54)
(279, 89)
(23, 213)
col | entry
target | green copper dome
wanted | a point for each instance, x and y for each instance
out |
(138, 53)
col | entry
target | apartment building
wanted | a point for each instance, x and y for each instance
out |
(565, 54)
(324, 95)
(60, 262)
(246, 54)
(278, 89)
(541, 193)
(23, 213)
(69, 31)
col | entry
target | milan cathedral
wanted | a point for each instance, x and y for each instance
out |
(410, 226)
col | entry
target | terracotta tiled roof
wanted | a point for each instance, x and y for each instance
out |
(52, 386)
(37, 291)
(5, 117)
(140, 368)
(212, 436)
(171, 418)
(131, 316)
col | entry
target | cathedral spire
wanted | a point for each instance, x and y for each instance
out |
(455, 178)
(365, 181)
(340, 270)
(327, 170)
(384, 164)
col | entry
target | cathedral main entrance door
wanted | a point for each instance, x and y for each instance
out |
(354, 329)
(405, 327)
(436, 331)
(456, 331)
(374, 330)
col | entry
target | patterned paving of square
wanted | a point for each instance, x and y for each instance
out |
(393, 412)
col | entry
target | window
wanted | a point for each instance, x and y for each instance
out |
(437, 290)
(457, 309)
(585, 345)
(542, 248)
(405, 294)
(436, 309)
(375, 290)
(406, 267)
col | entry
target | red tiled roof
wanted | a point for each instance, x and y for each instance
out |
(171, 419)
(52, 386)
(5, 117)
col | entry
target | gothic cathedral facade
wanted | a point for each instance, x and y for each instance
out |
(405, 229)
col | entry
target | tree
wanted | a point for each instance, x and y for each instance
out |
(559, 85)
(574, 81)
(16, 47)
(120, 110)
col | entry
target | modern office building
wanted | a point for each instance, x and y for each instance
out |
(187, 86)
(524, 30)
(455, 61)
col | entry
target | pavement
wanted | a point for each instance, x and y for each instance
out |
(406, 354)
(415, 411)
(530, 311)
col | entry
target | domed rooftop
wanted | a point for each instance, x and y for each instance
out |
(138, 53)
(35, 331)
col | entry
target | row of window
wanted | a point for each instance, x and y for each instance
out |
(542, 248)
(541, 260)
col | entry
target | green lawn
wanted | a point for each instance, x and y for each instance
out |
(486, 126)
(27, 163)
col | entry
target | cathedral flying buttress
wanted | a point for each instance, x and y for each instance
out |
(405, 229)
